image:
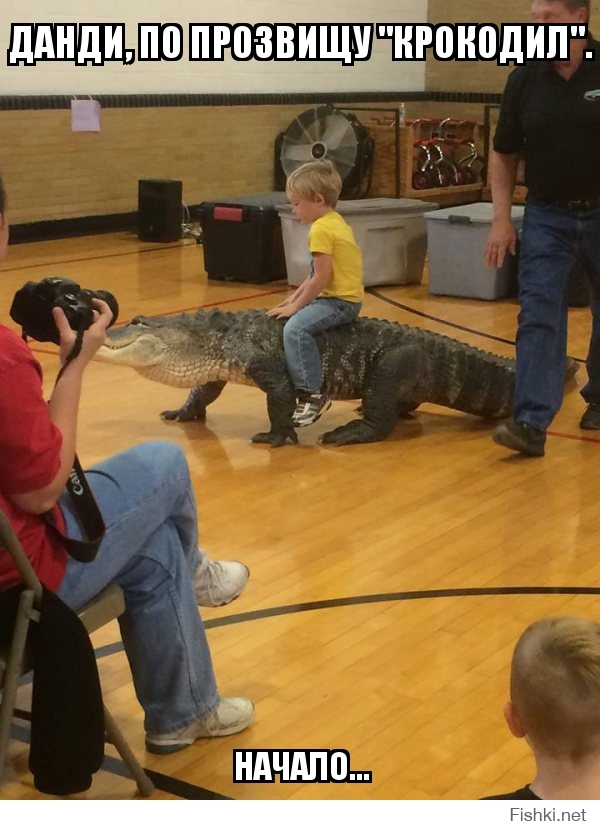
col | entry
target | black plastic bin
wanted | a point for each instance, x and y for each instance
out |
(242, 238)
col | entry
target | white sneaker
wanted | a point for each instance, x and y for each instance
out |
(233, 714)
(219, 582)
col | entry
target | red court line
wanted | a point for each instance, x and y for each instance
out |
(570, 436)
(223, 302)
(587, 438)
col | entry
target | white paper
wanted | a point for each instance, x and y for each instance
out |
(85, 115)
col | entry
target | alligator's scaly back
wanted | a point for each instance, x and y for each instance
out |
(390, 366)
(465, 378)
(450, 373)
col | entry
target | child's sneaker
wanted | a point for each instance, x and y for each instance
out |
(309, 409)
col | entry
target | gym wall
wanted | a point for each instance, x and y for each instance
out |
(222, 144)
(219, 147)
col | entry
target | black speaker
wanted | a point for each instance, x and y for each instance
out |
(159, 210)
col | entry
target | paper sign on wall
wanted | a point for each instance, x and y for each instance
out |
(85, 115)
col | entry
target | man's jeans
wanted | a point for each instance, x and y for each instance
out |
(301, 351)
(151, 551)
(553, 239)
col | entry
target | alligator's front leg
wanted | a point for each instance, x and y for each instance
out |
(194, 409)
(270, 375)
(391, 388)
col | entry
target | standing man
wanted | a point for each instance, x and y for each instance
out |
(551, 114)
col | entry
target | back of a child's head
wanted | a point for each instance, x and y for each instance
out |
(555, 685)
(315, 178)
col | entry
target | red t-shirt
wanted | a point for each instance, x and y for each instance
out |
(29, 459)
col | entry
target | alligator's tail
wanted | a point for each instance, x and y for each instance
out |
(465, 378)
(476, 381)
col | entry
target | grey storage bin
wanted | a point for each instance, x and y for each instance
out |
(456, 240)
(391, 233)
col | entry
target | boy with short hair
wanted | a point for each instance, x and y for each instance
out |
(555, 705)
(331, 294)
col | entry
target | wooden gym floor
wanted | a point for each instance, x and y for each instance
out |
(389, 581)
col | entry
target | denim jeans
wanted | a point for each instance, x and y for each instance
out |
(301, 350)
(553, 239)
(151, 550)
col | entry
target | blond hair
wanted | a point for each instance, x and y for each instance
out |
(315, 178)
(555, 685)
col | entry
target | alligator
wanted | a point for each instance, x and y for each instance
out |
(392, 367)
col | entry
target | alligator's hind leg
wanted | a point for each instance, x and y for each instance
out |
(194, 409)
(391, 389)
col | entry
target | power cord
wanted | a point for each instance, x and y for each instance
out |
(189, 228)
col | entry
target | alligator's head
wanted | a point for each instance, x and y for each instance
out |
(170, 350)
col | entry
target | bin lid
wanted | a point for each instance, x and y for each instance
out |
(381, 205)
(258, 200)
(477, 213)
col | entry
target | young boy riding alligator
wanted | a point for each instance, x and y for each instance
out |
(392, 368)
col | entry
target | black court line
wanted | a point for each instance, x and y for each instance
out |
(166, 783)
(183, 789)
(366, 599)
(394, 596)
(444, 322)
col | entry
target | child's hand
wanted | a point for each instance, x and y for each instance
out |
(272, 311)
(283, 310)
(277, 309)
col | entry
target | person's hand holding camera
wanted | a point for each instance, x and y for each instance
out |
(93, 337)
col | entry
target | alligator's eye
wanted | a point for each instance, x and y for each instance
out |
(138, 321)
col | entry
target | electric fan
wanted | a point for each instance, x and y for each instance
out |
(327, 133)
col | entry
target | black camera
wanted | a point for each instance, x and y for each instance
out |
(32, 307)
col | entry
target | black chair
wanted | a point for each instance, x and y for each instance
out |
(14, 659)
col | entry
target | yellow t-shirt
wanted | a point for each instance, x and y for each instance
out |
(332, 235)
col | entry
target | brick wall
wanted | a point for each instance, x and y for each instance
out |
(52, 173)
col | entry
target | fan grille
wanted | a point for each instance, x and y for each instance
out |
(320, 133)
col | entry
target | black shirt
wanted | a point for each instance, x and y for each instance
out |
(556, 127)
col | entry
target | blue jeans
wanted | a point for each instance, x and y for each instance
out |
(301, 350)
(553, 239)
(151, 550)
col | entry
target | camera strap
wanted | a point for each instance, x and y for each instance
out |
(82, 498)
(88, 514)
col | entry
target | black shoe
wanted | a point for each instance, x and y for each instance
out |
(591, 417)
(521, 437)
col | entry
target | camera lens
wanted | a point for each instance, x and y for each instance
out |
(110, 301)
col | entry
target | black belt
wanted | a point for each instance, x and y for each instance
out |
(591, 203)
